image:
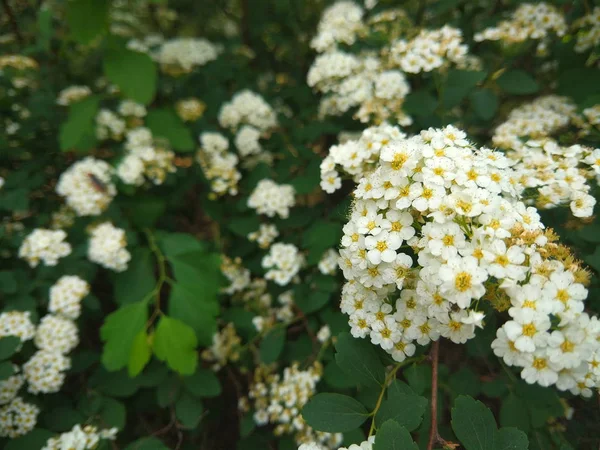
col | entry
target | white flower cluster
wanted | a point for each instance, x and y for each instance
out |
(429, 50)
(87, 186)
(365, 445)
(359, 81)
(588, 31)
(109, 125)
(456, 208)
(339, 24)
(45, 371)
(144, 159)
(44, 245)
(17, 323)
(328, 262)
(182, 55)
(272, 199)
(73, 94)
(86, 438)
(278, 400)
(129, 108)
(10, 386)
(107, 247)
(237, 275)
(269, 315)
(17, 418)
(356, 157)
(283, 262)
(218, 164)
(224, 348)
(66, 295)
(528, 21)
(56, 334)
(264, 236)
(247, 108)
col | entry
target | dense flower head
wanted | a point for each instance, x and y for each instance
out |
(87, 186)
(283, 262)
(182, 55)
(247, 108)
(278, 400)
(17, 323)
(10, 386)
(56, 334)
(109, 125)
(265, 235)
(108, 247)
(439, 227)
(45, 371)
(588, 31)
(73, 94)
(218, 164)
(81, 438)
(17, 418)
(339, 23)
(272, 199)
(224, 349)
(66, 295)
(44, 245)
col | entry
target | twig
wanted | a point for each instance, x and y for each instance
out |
(245, 25)
(434, 435)
(13, 21)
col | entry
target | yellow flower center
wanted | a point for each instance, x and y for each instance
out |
(462, 281)
(529, 330)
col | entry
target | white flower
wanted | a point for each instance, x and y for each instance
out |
(44, 245)
(107, 247)
(474, 318)
(462, 280)
(382, 247)
(528, 331)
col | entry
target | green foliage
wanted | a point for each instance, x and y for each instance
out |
(133, 72)
(359, 361)
(334, 413)
(392, 436)
(175, 342)
(77, 133)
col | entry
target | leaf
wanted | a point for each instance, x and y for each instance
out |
(133, 72)
(8, 283)
(517, 82)
(474, 424)
(203, 383)
(165, 123)
(36, 438)
(511, 439)
(87, 19)
(175, 342)
(119, 332)
(78, 132)
(168, 392)
(44, 27)
(272, 345)
(134, 284)
(113, 413)
(420, 103)
(514, 413)
(147, 443)
(485, 103)
(322, 236)
(359, 360)
(312, 302)
(8, 346)
(195, 309)
(393, 436)
(406, 409)
(62, 418)
(334, 413)
(140, 354)
(6, 370)
(189, 411)
(458, 85)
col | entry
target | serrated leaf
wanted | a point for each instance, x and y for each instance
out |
(6, 370)
(514, 413)
(458, 85)
(358, 359)
(175, 342)
(511, 439)
(189, 411)
(166, 124)
(474, 424)
(87, 19)
(405, 409)
(8, 346)
(393, 436)
(334, 413)
(113, 413)
(271, 345)
(517, 82)
(133, 72)
(134, 284)
(485, 103)
(203, 383)
(140, 354)
(78, 132)
(36, 438)
(197, 310)
(119, 332)
(420, 103)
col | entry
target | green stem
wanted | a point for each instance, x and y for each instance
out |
(162, 275)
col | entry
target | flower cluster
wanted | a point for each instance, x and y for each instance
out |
(44, 245)
(278, 400)
(441, 222)
(107, 247)
(272, 199)
(247, 108)
(87, 186)
(72, 94)
(328, 262)
(17, 323)
(365, 445)
(182, 55)
(86, 438)
(265, 235)
(283, 262)
(528, 21)
(109, 125)
(17, 418)
(339, 24)
(356, 157)
(144, 159)
(190, 109)
(218, 164)
(66, 295)
(588, 31)
(224, 349)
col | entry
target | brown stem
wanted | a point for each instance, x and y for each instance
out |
(434, 435)
(245, 25)
(13, 21)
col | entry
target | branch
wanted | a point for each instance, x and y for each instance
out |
(434, 434)
(13, 21)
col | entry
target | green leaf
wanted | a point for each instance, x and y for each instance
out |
(133, 72)
(272, 345)
(168, 391)
(166, 124)
(517, 82)
(140, 354)
(134, 284)
(6, 370)
(147, 443)
(485, 103)
(359, 360)
(420, 103)
(87, 19)
(189, 411)
(393, 436)
(511, 439)
(36, 438)
(119, 332)
(514, 413)
(322, 236)
(334, 413)
(405, 408)
(113, 413)
(8, 346)
(78, 132)
(62, 418)
(44, 27)
(204, 383)
(312, 302)
(195, 309)
(474, 424)
(8, 283)
(458, 85)
(175, 342)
